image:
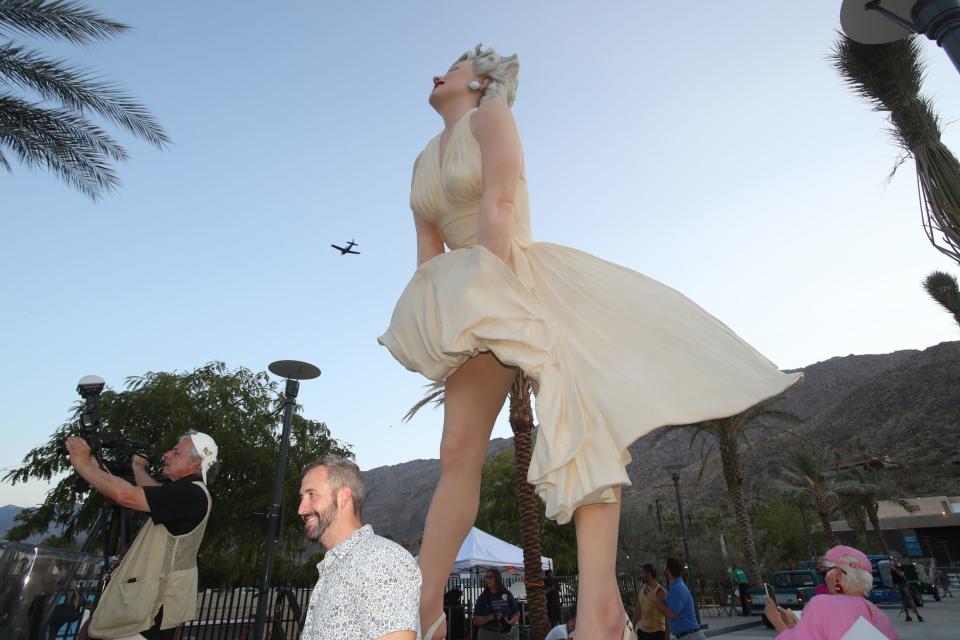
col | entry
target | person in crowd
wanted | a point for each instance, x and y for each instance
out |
(830, 616)
(496, 611)
(564, 631)
(368, 587)
(154, 589)
(648, 620)
(906, 598)
(944, 582)
(552, 588)
(677, 604)
(739, 578)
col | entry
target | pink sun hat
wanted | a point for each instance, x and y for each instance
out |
(844, 556)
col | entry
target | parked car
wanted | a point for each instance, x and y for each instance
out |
(794, 588)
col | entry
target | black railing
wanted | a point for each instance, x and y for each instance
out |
(230, 614)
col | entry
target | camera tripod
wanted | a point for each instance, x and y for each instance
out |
(113, 525)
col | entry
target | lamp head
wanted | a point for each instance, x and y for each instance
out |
(90, 385)
(673, 470)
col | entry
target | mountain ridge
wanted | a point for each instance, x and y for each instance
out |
(874, 396)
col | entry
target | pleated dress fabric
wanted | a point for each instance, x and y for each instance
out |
(615, 354)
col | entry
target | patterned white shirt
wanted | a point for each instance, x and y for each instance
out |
(368, 587)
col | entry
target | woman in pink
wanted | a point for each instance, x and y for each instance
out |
(831, 615)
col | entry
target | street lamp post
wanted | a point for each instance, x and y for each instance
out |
(882, 21)
(293, 371)
(658, 500)
(674, 471)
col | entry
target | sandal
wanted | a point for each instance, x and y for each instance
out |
(435, 627)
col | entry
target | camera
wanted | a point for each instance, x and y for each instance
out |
(89, 426)
(89, 388)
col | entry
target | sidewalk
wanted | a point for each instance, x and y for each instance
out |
(718, 626)
(941, 620)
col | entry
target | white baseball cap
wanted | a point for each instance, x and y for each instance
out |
(207, 449)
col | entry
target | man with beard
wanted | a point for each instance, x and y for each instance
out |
(369, 587)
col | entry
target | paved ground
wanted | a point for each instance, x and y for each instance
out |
(941, 622)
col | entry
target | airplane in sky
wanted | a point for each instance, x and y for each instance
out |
(348, 249)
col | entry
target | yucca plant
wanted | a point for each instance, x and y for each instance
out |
(47, 122)
(890, 76)
(942, 287)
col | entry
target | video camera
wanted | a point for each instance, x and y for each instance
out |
(90, 424)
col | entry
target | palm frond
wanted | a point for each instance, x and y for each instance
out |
(80, 91)
(790, 481)
(706, 451)
(662, 432)
(434, 394)
(774, 414)
(69, 145)
(854, 487)
(58, 19)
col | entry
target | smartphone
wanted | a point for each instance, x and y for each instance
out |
(771, 593)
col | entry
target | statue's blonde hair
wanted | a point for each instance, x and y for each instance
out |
(502, 71)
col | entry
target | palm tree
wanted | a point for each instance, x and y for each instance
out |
(56, 131)
(870, 491)
(852, 508)
(727, 434)
(812, 475)
(521, 421)
(942, 287)
(889, 77)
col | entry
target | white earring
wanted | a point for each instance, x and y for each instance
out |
(474, 85)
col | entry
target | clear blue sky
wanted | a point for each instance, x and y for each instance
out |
(716, 151)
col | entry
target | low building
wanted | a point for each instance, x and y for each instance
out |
(927, 527)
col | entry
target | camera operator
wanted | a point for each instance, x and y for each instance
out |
(154, 588)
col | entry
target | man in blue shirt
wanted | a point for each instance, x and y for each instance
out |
(678, 605)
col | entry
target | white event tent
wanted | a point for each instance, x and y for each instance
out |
(481, 549)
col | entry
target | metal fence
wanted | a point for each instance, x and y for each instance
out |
(230, 614)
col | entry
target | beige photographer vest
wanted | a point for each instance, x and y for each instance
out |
(159, 569)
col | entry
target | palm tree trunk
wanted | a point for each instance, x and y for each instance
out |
(733, 474)
(824, 514)
(521, 421)
(877, 531)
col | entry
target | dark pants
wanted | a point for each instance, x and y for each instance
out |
(743, 588)
(656, 635)
(906, 598)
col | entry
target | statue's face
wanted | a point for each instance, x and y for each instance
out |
(454, 83)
